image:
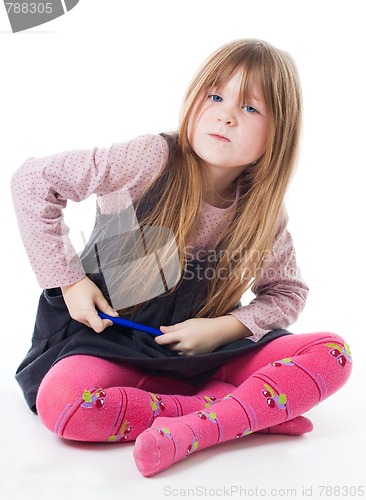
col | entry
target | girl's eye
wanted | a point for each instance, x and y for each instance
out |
(249, 109)
(215, 98)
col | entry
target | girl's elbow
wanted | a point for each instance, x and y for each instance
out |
(21, 178)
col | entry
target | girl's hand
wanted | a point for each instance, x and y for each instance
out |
(202, 335)
(82, 298)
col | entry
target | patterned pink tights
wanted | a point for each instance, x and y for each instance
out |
(90, 399)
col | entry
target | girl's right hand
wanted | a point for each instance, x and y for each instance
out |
(82, 300)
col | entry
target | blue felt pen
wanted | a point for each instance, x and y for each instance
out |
(131, 324)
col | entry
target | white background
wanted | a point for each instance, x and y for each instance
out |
(111, 70)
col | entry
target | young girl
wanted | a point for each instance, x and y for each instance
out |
(208, 202)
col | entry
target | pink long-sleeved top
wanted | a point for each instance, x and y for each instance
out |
(42, 186)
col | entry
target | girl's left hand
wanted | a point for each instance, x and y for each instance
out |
(201, 335)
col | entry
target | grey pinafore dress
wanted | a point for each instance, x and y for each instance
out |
(56, 335)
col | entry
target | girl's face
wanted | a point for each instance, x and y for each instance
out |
(228, 133)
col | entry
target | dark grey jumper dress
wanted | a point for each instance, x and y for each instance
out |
(56, 335)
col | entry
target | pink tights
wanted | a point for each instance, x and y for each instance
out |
(86, 398)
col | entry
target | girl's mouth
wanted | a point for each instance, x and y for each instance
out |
(219, 137)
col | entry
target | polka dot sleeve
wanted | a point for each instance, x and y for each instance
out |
(280, 292)
(42, 186)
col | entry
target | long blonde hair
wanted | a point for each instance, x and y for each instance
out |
(248, 239)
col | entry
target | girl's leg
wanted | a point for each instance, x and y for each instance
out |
(277, 383)
(86, 398)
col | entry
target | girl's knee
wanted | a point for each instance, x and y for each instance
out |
(308, 341)
(337, 338)
(340, 350)
(324, 356)
(49, 403)
(57, 392)
(334, 362)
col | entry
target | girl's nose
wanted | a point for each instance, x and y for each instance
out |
(226, 116)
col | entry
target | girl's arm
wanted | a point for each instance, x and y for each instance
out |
(42, 186)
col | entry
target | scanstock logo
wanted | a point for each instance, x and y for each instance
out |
(27, 14)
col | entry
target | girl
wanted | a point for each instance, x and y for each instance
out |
(219, 370)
